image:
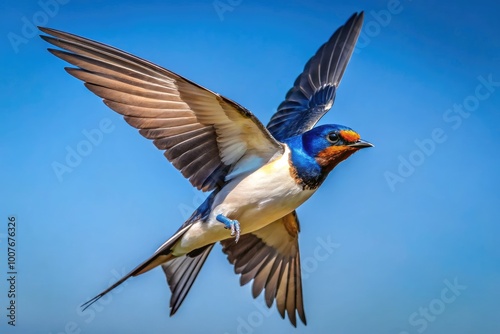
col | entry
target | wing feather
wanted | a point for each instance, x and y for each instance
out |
(270, 257)
(313, 92)
(181, 117)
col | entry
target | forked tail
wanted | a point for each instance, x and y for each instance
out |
(180, 271)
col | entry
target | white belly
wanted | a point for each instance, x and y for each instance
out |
(255, 200)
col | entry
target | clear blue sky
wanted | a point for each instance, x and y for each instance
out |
(409, 218)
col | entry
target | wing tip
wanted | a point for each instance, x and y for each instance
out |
(330, 72)
(46, 38)
(45, 30)
(89, 302)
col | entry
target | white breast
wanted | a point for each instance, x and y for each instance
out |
(254, 199)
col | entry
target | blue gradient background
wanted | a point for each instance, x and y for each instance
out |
(397, 245)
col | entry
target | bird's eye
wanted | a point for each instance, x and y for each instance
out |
(333, 137)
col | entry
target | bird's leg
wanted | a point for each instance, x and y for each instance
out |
(232, 224)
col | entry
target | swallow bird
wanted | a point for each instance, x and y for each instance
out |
(257, 175)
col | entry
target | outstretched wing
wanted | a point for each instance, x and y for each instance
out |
(204, 134)
(270, 256)
(314, 90)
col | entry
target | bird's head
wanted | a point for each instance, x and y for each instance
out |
(331, 144)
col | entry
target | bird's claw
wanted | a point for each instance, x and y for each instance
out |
(231, 224)
(235, 230)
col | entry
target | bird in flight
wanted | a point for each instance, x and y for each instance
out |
(257, 175)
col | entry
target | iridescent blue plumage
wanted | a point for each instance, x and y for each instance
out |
(306, 150)
(314, 90)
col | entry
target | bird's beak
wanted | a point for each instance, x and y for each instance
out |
(361, 144)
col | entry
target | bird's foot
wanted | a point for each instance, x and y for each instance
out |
(231, 224)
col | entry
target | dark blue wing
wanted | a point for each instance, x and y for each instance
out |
(313, 92)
